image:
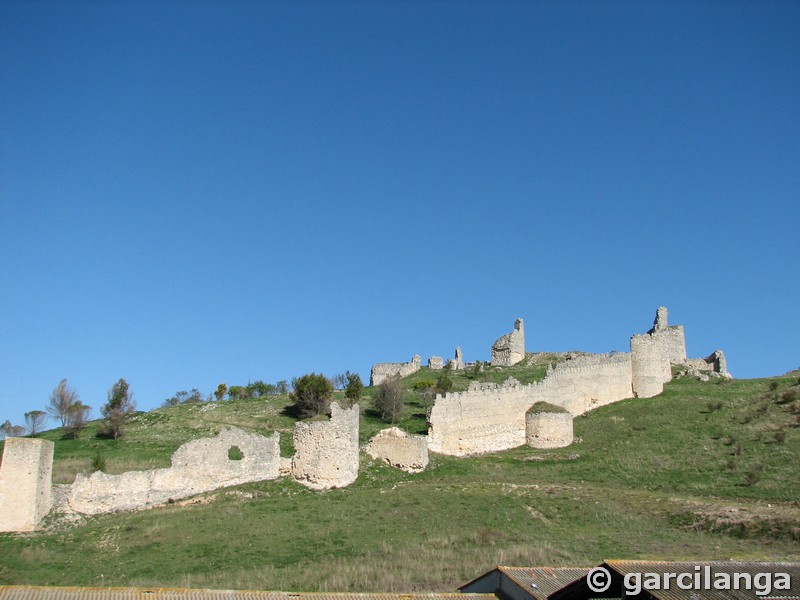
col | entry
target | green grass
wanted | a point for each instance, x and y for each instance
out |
(699, 472)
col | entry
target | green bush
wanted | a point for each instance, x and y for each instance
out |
(311, 395)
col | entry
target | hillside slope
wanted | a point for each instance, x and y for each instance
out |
(705, 470)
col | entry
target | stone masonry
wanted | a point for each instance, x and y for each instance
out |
(400, 449)
(25, 483)
(509, 349)
(198, 466)
(383, 371)
(548, 429)
(327, 452)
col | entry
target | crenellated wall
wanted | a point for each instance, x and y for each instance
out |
(491, 417)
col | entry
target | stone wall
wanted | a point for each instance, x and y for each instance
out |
(198, 466)
(509, 349)
(548, 429)
(456, 363)
(491, 417)
(435, 362)
(650, 365)
(327, 452)
(25, 483)
(400, 449)
(383, 371)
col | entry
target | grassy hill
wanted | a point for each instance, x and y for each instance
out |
(705, 470)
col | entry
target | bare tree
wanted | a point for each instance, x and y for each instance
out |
(35, 421)
(8, 430)
(61, 401)
(77, 415)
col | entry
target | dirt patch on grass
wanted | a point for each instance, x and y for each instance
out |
(741, 519)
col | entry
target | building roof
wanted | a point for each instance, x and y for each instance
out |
(537, 582)
(20, 592)
(704, 571)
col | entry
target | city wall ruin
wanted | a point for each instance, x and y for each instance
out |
(327, 452)
(399, 449)
(485, 418)
(232, 458)
(383, 371)
(509, 349)
(25, 483)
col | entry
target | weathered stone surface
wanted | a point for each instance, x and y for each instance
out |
(650, 365)
(400, 449)
(383, 371)
(509, 349)
(661, 322)
(25, 483)
(435, 362)
(456, 363)
(491, 417)
(198, 466)
(548, 429)
(327, 452)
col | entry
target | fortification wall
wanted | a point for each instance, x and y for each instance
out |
(490, 418)
(327, 452)
(650, 364)
(383, 371)
(400, 449)
(548, 430)
(25, 483)
(198, 466)
(509, 349)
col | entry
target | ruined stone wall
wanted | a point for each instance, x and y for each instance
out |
(383, 371)
(509, 349)
(491, 417)
(198, 466)
(650, 365)
(400, 449)
(327, 452)
(25, 483)
(548, 429)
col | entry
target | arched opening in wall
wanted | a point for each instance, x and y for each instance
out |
(235, 453)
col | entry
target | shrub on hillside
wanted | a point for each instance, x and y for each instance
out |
(311, 395)
(353, 386)
(389, 400)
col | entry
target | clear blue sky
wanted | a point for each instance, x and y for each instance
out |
(203, 192)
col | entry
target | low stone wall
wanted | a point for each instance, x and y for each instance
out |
(25, 483)
(327, 452)
(548, 429)
(198, 466)
(400, 449)
(491, 417)
(383, 371)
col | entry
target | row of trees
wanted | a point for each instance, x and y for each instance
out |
(66, 407)
(310, 394)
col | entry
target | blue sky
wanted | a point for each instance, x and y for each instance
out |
(203, 192)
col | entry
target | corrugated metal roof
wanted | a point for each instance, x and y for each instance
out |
(87, 593)
(540, 582)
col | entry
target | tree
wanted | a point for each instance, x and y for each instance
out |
(390, 399)
(118, 409)
(8, 430)
(77, 415)
(339, 381)
(311, 395)
(237, 392)
(282, 387)
(259, 389)
(61, 401)
(443, 383)
(35, 421)
(220, 392)
(353, 387)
